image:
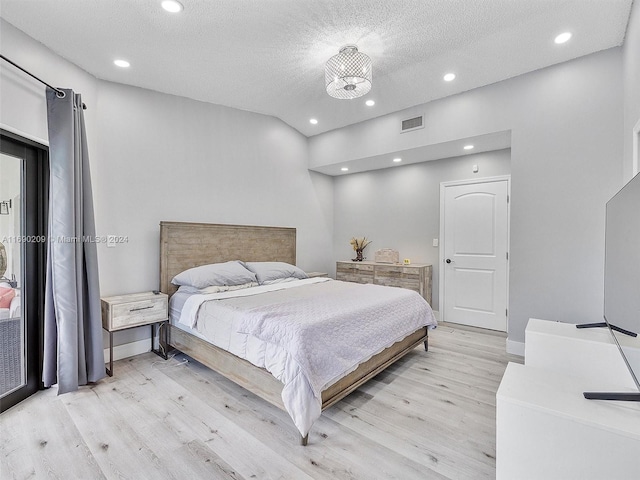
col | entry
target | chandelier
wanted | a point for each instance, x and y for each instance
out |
(348, 74)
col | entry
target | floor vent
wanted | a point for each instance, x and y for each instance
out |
(412, 124)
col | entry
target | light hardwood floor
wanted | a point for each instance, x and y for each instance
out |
(429, 416)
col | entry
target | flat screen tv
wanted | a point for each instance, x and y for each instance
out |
(622, 281)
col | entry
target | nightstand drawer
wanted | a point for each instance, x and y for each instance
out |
(131, 310)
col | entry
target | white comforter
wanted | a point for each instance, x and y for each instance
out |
(322, 329)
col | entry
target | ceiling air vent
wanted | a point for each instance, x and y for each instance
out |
(411, 124)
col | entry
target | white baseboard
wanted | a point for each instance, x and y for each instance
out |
(515, 348)
(128, 350)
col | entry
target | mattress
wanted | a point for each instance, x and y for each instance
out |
(251, 325)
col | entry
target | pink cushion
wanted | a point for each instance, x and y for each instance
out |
(6, 295)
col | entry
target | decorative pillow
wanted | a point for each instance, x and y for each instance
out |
(267, 272)
(6, 295)
(217, 274)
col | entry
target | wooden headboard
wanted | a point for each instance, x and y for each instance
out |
(187, 245)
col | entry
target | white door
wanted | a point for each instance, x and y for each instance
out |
(474, 234)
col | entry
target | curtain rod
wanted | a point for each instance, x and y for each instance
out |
(59, 92)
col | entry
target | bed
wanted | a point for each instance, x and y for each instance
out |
(184, 246)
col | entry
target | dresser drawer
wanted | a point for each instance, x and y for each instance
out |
(397, 271)
(128, 311)
(410, 283)
(354, 272)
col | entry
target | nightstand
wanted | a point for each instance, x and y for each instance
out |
(316, 274)
(122, 312)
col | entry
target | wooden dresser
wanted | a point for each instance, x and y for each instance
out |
(415, 277)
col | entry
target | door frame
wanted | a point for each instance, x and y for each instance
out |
(35, 192)
(441, 270)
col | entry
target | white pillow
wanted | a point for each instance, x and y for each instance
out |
(267, 272)
(216, 274)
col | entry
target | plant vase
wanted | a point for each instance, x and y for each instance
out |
(359, 256)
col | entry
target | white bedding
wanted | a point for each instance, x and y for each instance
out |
(360, 321)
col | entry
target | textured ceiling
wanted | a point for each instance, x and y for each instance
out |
(267, 56)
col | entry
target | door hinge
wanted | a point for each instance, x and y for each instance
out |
(506, 312)
(507, 198)
(507, 255)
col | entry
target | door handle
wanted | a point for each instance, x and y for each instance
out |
(448, 260)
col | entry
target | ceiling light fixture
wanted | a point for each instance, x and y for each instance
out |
(348, 74)
(449, 77)
(563, 38)
(397, 160)
(468, 147)
(344, 169)
(370, 103)
(172, 6)
(121, 63)
(313, 121)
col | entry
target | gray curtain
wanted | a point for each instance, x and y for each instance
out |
(73, 348)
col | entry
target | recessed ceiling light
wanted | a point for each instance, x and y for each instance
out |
(370, 103)
(172, 6)
(344, 169)
(563, 37)
(449, 77)
(397, 160)
(468, 147)
(121, 63)
(313, 121)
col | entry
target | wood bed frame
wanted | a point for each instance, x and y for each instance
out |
(187, 245)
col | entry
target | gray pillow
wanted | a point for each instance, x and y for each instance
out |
(219, 274)
(268, 272)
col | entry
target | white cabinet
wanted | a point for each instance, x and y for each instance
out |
(587, 353)
(546, 429)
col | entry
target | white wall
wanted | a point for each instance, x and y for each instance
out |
(23, 106)
(159, 157)
(399, 207)
(631, 65)
(566, 161)
(164, 157)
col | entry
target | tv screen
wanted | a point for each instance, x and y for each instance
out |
(622, 268)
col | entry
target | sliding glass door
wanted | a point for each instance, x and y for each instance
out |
(23, 199)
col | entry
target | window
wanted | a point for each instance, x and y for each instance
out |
(24, 183)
